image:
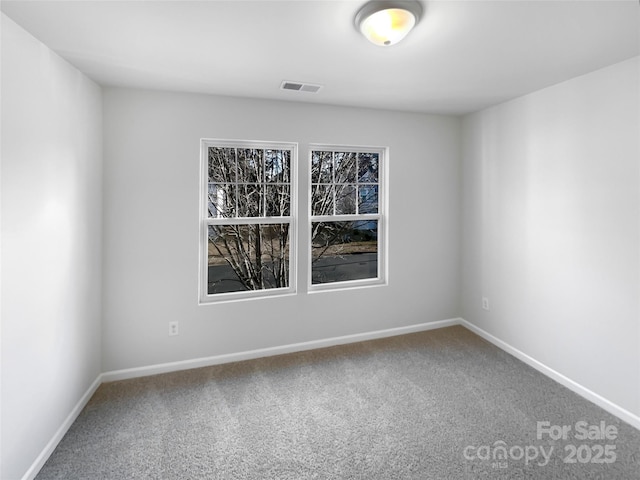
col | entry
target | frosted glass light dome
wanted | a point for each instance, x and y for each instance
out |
(385, 23)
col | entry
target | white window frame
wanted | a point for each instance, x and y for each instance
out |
(206, 221)
(381, 217)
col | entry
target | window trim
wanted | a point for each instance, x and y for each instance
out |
(382, 218)
(205, 221)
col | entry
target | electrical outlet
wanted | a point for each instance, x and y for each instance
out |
(485, 303)
(173, 328)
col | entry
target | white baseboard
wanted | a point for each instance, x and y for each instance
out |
(271, 351)
(57, 437)
(593, 397)
(215, 360)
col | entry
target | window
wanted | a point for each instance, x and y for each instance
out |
(347, 217)
(248, 209)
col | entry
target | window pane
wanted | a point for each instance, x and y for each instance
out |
(368, 167)
(322, 200)
(250, 200)
(278, 200)
(277, 166)
(367, 198)
(345, 165)
(247, 257)
(221, 200)
(321, 167)
(345, 199)
(222, 165)
(343, 251)
(250, 165)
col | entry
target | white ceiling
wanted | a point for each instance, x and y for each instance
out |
(462, 56)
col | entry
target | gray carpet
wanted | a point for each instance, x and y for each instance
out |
(430, 405)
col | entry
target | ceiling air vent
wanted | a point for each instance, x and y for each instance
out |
(300, 87)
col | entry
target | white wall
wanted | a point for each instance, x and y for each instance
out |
(552, 228)
(51, 243)
(152, 143)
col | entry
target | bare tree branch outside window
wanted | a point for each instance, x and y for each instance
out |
(344, 184)
(248, 183)
(249, 216)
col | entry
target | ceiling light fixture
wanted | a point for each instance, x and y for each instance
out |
(387, 22)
